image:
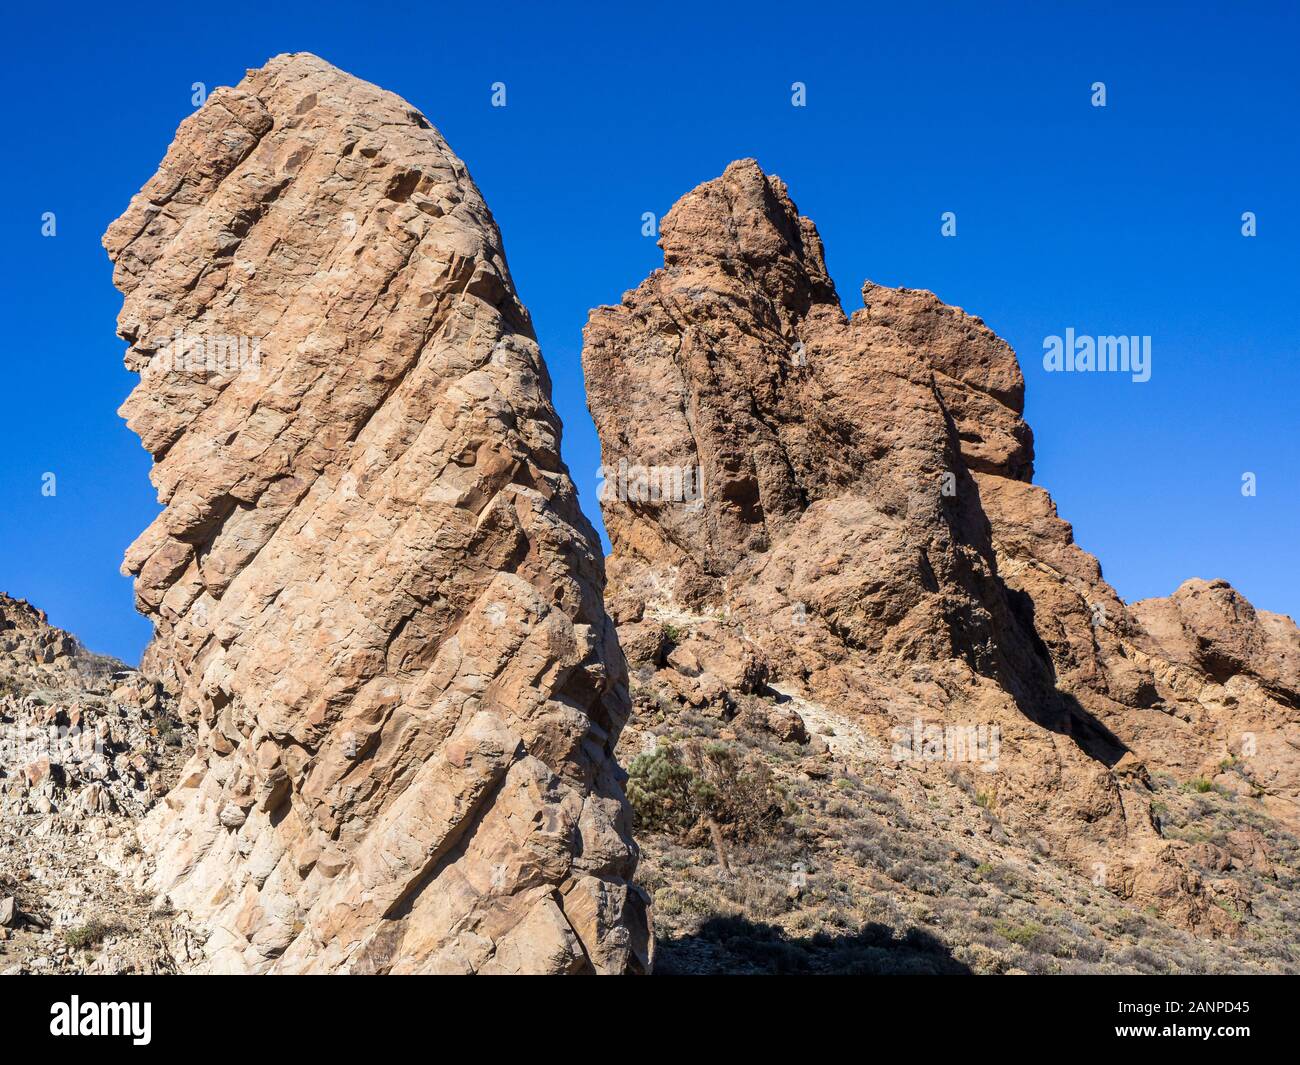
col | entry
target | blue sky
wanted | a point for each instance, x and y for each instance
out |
(1117, 220)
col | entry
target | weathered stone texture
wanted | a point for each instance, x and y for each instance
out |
(370, 577)
(867, 526)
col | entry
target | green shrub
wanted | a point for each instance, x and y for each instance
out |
(666, 795)
(1022, 935)
(679, 791)
(88, 935)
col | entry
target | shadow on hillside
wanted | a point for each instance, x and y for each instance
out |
(740, 946)
(1061, 713)
(1032, 684)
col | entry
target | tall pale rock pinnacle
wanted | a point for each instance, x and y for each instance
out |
(844, 506)
(371, 582)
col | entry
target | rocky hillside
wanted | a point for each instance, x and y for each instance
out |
(882, 698)
(37, 658)
(87, 746)
(372, 586)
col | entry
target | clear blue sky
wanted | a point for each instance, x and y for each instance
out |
(1117, 220)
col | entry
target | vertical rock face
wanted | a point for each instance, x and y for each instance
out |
(865, 530)
(370, 580)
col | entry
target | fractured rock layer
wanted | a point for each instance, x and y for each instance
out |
(865, 527)
(371, 582)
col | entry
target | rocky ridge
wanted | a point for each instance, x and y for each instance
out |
(886, 716)
(87, 746)
(839, 510)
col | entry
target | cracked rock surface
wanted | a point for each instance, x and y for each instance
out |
(372, 587)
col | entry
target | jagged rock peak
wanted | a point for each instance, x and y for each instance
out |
(736, 363)
(1211, 627)
(843, 508)
(371, 581)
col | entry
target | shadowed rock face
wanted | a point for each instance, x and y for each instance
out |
(371, 582)
(868, 532)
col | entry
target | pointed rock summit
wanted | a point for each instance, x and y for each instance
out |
(371, 583)
(842, 507)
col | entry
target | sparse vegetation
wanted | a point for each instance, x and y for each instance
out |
(703, 785)
(171, 733)
(854, 853)
(89, 935)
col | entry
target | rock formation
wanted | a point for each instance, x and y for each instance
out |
(840, 510)
(35, 654)
(371, 582)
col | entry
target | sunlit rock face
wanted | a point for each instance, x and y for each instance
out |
(371, 582)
